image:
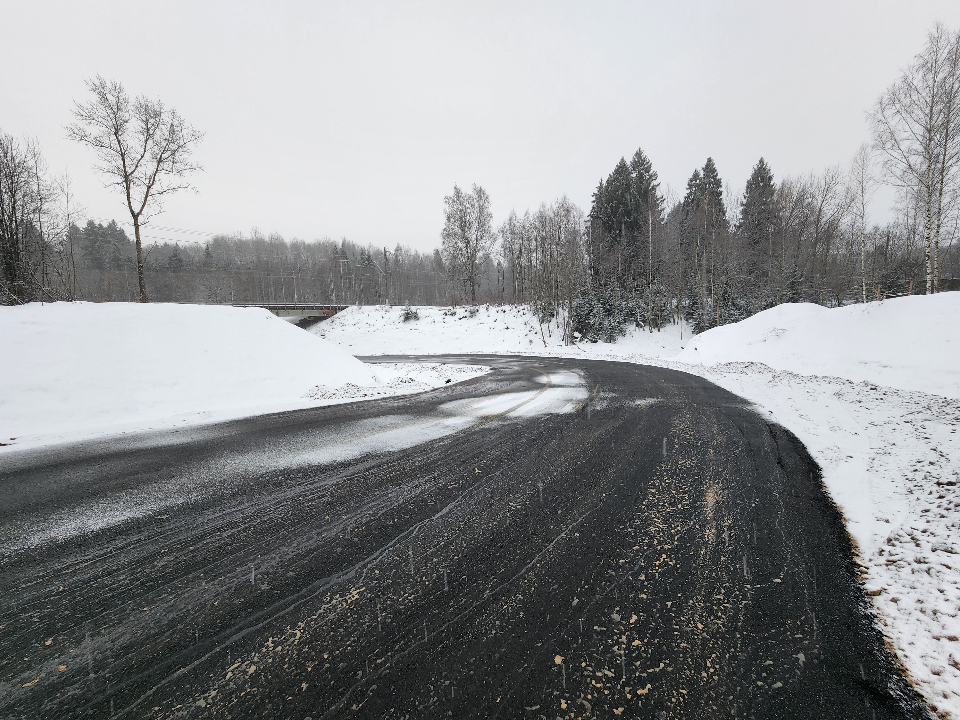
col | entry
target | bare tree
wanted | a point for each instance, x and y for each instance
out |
(17, 205)
(143, 147)
(916, 127)
(67, 212)
(467, 234)
(949, 146)
(862, 185)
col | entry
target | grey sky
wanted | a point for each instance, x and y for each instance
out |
(355, 119)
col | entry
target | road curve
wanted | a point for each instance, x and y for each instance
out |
(556, 539)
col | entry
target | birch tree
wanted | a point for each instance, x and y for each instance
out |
(916, 128)
(467, 235)
(862, 185)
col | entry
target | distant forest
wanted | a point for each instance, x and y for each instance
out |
(637, 256)
(253, 269)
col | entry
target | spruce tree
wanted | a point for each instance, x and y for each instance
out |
(94, 244)
(757, 216)
(693, 198)
(175, 259)
(713, 191)
(616, 213)
(647, 215)
(756, 227)
(645, 189)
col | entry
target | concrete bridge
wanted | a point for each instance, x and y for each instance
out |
(304, 312)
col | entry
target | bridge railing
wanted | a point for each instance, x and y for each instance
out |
(297, 309)
(293, 306)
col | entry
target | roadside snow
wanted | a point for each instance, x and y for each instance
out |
(77, 370)
(378, 330)
(398, 379)
(911, 343)
(872, 391)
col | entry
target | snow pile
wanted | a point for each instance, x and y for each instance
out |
(911, 343)
(379, 330)
(74, 370)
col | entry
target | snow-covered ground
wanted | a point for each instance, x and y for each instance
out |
(77, 370)
(873, 392)
(378, 330)
(911, 343)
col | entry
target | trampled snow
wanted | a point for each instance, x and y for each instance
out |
(75, 370)
(871, 390)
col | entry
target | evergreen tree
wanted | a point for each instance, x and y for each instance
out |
(94, 242)
(758, 214)
(615, 211)
(118, 247)
(702, 228)
(713, 192)
(693, 198)
(758, 221)
(645, 190)
(175, 259)
(705, 189)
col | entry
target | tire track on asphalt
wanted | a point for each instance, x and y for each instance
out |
(325, 584)
(552, 515)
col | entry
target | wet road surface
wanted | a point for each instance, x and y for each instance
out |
(557, 539)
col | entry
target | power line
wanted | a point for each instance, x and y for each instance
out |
(155, 227)
(173, 240)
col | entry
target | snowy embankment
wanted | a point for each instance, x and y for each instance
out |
(871, 390)
(77, 370)
(511, 329)
(911, 343)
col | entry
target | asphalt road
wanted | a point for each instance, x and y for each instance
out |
(559, 538)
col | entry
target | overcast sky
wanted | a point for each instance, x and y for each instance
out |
(354, 119)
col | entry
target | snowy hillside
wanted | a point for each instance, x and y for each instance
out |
(872, 391)
(72, 370)
(378, 330)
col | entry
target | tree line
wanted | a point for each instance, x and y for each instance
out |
(255, 268)
(639, 255)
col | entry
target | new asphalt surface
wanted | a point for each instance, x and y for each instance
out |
(556, 539)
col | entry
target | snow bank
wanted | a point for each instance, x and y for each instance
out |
(71, 370)
(378, 330)
(910, 343)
